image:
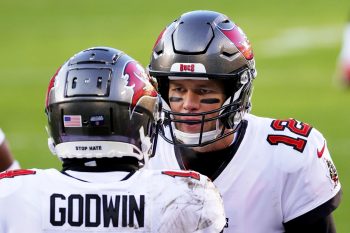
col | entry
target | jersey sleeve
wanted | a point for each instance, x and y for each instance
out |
(313, 182)
(213, 215)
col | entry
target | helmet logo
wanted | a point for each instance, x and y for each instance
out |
(185, 67)
(188, 67)
(240, 40)
(138, 81)
(51, 85)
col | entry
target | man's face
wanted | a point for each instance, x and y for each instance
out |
(195, 96)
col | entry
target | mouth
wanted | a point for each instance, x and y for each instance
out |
(190, 120)
(192, 125)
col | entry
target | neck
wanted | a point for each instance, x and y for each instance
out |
(210, 163)
(101, 164)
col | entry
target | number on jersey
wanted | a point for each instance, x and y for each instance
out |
(298, 128)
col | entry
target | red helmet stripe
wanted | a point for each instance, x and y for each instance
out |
(241, 41)
(139, 81)
(51, 84)
(159, 38)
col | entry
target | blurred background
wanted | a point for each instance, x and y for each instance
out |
(296, 44)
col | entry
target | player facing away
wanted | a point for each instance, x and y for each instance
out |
(6, 158)
(274, 175)
(102, 116)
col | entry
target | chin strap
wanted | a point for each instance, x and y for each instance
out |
(193, 138)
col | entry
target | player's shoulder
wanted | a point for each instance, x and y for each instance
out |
(178, 175)
(191, 186)
(275, 124)
(185, 176)
(289, 127)
(293, 148)
(180, 179)
(13, 181)
(288, 139)
(190, 192)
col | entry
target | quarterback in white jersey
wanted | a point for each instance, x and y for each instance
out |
(103, 116)
(6, 158)
(274, 175)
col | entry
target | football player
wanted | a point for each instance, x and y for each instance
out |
(344, 58)
(275, 175)
(102, 116)
(6, 158)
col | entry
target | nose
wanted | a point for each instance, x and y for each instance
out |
(191, 101)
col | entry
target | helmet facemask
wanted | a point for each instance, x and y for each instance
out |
(226, 118)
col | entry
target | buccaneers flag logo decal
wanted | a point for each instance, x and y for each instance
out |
(237, 36)
(139, 81)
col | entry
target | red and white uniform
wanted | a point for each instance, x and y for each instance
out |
(36, 200)
(281, 170)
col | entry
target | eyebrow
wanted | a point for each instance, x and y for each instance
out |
(196, 87)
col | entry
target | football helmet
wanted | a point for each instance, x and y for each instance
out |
(101, 104)
(204, 45)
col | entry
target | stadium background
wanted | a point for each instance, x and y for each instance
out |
(296, 44)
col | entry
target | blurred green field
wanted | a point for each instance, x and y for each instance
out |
(296, 44)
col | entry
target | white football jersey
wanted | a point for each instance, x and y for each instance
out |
(34, 201)
(281, 170)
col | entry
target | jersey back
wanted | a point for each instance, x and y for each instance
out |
(148, 201)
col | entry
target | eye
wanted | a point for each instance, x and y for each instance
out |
(204, 91)
(178, 89)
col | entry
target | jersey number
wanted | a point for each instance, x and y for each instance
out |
(291, 124)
